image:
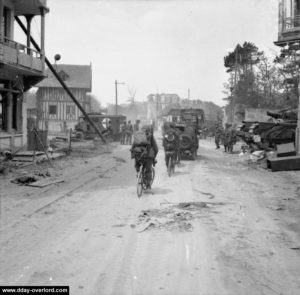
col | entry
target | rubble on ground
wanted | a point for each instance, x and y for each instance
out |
(177, 217)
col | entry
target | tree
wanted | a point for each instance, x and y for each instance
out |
(288, 63)
(255, 81)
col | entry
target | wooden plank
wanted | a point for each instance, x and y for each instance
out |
(43, 183)
(284, 163)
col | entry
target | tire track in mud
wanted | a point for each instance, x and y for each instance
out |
(48, 228)
(126, 265)
(84, 182)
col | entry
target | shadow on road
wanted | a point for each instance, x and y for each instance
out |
(177, 173)
(162, 191)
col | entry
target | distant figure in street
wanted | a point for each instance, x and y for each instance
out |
(123, 132)
(108, 131)
(229, 138)
(136, 126)
(129, 133)
(204, 132)
(218, 135)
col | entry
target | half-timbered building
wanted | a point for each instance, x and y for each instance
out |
(21, 67)
(56, 112)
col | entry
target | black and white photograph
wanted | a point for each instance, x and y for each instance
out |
(150, 147)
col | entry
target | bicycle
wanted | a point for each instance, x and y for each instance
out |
(177, 158)
(142, 183)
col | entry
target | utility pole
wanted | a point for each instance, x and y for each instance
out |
(116, 87)
(156, 109)
(188, 94)
(234, 89)
(297, 145)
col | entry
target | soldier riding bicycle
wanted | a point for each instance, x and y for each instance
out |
(144, 151)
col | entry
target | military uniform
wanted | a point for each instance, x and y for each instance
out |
(123, 130)
(128, 133)
(218, 136)
(171, 142)
(229, 139)
(148, 158)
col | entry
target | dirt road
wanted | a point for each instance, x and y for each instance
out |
(218, 226)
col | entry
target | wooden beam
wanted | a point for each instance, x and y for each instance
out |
(42, 51)
(9, 109)
(9, 90)
(62, 83)
(1, 15)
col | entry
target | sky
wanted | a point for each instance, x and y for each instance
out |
(156, 46)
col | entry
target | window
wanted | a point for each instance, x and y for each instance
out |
(5, 21)
(52, 109)
(70, 110)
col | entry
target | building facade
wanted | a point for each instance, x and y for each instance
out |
(21, 67)
(56, 112)
(288, 22)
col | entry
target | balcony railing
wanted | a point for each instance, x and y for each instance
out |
(20, 47)
(18, 54)
(291, 23)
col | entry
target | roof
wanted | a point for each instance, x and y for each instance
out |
(74, 76)
(173, 112)
(30, 7)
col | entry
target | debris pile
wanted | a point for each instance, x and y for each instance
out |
(25, 180)
(174, 218)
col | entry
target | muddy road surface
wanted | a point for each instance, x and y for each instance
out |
(217, 226)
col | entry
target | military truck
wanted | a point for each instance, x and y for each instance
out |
(108, 125)
(189, 128)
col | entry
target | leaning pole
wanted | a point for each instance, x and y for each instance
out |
(61, 81)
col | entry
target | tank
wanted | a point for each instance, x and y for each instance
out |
(286, 115)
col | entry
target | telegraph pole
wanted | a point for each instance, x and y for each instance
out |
(116, 87)
(297, 138)
(235, 82)
(156, 110)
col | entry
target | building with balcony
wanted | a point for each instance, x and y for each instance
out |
(288, 22)
(21, 67)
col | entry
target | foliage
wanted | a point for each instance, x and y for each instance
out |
(255, 81)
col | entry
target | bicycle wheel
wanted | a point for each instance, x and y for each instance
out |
(173, 164)
(170, 166)
(178, 158)
(139, 186)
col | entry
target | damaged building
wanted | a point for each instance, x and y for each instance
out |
(21, 67)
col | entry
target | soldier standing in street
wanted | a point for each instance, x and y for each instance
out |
(229, 138)
(226, 139)
(129, 133)
(136, 126)
(123, 130)
(218, 135)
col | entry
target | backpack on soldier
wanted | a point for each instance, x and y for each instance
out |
(140, 138)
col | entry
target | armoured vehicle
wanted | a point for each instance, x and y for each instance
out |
(267, 135)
